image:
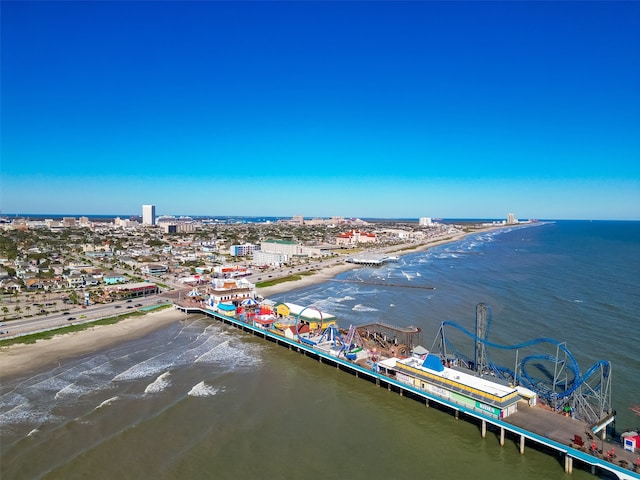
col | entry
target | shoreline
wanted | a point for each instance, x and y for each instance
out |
(21, 359)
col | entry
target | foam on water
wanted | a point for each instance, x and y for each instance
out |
(232, 357)
(107, 402)
(364, 308)
(204, 390)
(143, 369)
(71, 390)
(159, 384)
(27, 413)
(344, 299)
(406, 275)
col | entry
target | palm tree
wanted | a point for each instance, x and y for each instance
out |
(27, 308)
(5, 310)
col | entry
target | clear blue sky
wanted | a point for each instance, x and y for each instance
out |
(359, 109)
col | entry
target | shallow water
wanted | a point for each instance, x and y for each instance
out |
(199, 399)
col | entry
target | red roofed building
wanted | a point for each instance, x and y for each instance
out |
(356, 236)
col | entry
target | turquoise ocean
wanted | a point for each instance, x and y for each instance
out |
(199, 399)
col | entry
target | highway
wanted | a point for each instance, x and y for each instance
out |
(74, 314)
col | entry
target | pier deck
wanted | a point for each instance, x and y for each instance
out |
(542, 427)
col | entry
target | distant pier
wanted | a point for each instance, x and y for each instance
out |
(372, 259)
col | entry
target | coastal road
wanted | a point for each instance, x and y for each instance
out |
(73, 315)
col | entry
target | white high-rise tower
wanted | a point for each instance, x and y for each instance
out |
(148, 214)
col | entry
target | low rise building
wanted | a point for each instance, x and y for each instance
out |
(355, 237)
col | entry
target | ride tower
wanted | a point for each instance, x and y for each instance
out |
(483, 317)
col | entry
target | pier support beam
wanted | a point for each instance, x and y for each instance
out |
(521, 444)
(568, 464)
(484, 429)
(502, 436)
(426, 402)
(457, 414)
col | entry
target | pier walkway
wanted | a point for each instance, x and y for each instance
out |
(543, 429)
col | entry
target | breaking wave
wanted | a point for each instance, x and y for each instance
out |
(204, 390)
(159, 384)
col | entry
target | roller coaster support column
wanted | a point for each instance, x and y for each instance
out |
(502, 436)
(521, 444)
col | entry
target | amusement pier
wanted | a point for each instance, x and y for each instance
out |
(543, 400)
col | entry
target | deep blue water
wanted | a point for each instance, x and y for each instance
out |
(573, 281)
(198, 399)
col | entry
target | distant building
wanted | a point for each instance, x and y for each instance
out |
(511, 219)
(148, 214)
(230, 271)
(286, 247)
(154, 269)
(356, 236)
(243, 250)
(269, 258)
(425, 222)
(179, 227)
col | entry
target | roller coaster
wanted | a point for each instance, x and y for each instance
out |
(587, 395)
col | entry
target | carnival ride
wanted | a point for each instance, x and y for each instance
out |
(587, 394)
(348, 346)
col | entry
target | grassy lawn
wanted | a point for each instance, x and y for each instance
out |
(288, 278)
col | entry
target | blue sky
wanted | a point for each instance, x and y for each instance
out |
(358, 109)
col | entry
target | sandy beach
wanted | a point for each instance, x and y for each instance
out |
(23, 358)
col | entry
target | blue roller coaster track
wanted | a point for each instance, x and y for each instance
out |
(553, 391)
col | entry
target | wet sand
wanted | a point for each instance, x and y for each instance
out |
(23, 358)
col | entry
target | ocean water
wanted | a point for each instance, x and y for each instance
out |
(199, 399)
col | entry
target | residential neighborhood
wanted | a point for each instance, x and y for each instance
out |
(47, 264)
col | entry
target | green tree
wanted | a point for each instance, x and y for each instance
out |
(5, 310)
(73, 298)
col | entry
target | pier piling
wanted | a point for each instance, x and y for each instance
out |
(568, 464)
(415, 392)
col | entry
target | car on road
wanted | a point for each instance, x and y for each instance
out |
(70, 319)
(129, 306)
(138, 305)
(117, 306)
(128, 301)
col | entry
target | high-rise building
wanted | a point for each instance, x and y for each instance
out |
(148, 214)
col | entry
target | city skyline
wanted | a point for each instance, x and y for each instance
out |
(353, 109)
